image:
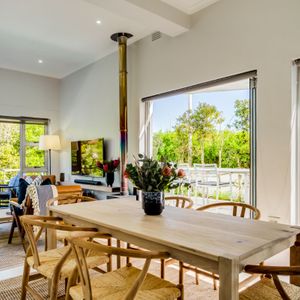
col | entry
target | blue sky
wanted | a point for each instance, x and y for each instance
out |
(167, 110)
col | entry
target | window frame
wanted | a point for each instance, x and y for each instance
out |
(252, 77)
(295, 145)
(23, 121)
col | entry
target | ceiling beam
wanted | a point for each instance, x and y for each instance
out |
(155, 14)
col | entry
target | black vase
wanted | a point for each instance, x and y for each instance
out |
(153, 203)
(110, 178)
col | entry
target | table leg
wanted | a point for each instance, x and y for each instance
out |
(294, 260)
(118, 256)
(229, 279)
(51, 242)
(50, 238)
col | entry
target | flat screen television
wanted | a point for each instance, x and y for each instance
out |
(85, 154)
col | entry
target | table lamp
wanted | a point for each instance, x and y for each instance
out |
(49, 142)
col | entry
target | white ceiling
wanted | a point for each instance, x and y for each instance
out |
(64, 33)
(190, 6)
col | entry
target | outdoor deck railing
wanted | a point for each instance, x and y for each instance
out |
(223, 183)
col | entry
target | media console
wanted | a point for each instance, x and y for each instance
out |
(88, 181)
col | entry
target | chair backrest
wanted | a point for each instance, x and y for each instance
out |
(274, 272)
(42, 223)
(69, 190)
(80, 248)
(206, 168)
(236, 206)
(68, 199)
(179, 201)
(204, 172)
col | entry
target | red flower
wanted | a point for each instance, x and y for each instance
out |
(116, 163)
(166, 171)
(99, 165)
(105, 167)
(181, 173)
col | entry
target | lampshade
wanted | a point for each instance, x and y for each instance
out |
(49, 142)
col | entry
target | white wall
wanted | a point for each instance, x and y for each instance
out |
(23, 94)
(89, 108)
(231, 37)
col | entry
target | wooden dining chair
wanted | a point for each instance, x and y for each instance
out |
(270, 287)
(55, 264)
(179, 201)
(26, 208)
(64, 199)
(238, 210)
(126, 283)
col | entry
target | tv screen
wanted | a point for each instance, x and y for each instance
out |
(85, 154)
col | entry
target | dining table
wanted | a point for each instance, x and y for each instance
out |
(218, 243)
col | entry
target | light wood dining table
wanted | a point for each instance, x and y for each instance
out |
(218, 243)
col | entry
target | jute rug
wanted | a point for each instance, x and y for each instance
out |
(11, 255)
(11, 289)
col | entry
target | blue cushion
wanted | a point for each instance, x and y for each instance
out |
(23, 184)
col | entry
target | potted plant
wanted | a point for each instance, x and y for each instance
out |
(153, 179)
(109, 167)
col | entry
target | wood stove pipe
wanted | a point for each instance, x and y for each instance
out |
(121, 38)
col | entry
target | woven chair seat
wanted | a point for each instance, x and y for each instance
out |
(49, 260)
(266, 290)
(114, 285)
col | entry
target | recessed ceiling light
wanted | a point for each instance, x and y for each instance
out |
(98, 22)
(40, 61)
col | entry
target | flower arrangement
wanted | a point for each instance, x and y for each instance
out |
(150, 175)
(108, 166)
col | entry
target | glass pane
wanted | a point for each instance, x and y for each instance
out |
(9, 151)
(34, 158)
(33, 132)
(207, 134)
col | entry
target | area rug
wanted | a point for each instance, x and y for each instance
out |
(11, 255)
(11, 289)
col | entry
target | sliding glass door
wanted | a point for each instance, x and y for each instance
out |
(210, 131)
